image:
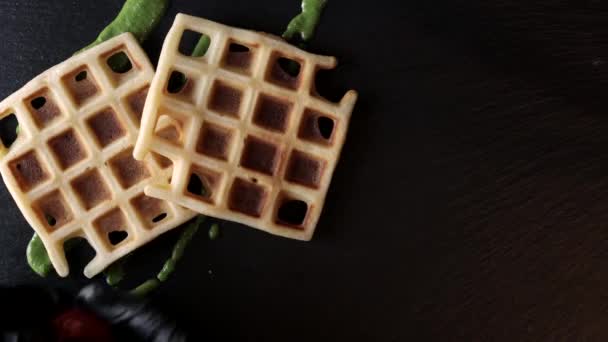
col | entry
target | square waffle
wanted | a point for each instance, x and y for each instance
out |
(251, 141)
(71, 170)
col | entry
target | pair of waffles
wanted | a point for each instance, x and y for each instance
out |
(121, 154)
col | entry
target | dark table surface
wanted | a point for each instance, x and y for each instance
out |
(471, 201)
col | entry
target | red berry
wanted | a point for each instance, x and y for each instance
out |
(79, 325)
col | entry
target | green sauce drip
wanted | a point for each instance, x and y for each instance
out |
(37, 257)
(115, 272)
(306, 22)
(169, 266)
(180, 246)
(145, 288)
(214, 231)
(140, 17)
(201, 47)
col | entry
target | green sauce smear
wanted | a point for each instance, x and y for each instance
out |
(115, 272)
(37, 257)
(306, 22)
(180, 247)
(201, 47)
(169, 266)
(145, 288)
(140, 17)
(214, 231)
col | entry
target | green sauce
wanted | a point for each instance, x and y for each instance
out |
(169, 266)
(214, 231)
(180, 246)
(139, 17)
(306, 22)
(115, 272)
(201, 47)
(37, 257)
(145, 288)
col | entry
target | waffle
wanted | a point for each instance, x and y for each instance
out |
(71, 170)
(250, 141)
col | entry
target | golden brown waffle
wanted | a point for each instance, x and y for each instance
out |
(71, 170)
(261, 142)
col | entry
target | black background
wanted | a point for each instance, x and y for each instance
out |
(471, 201)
